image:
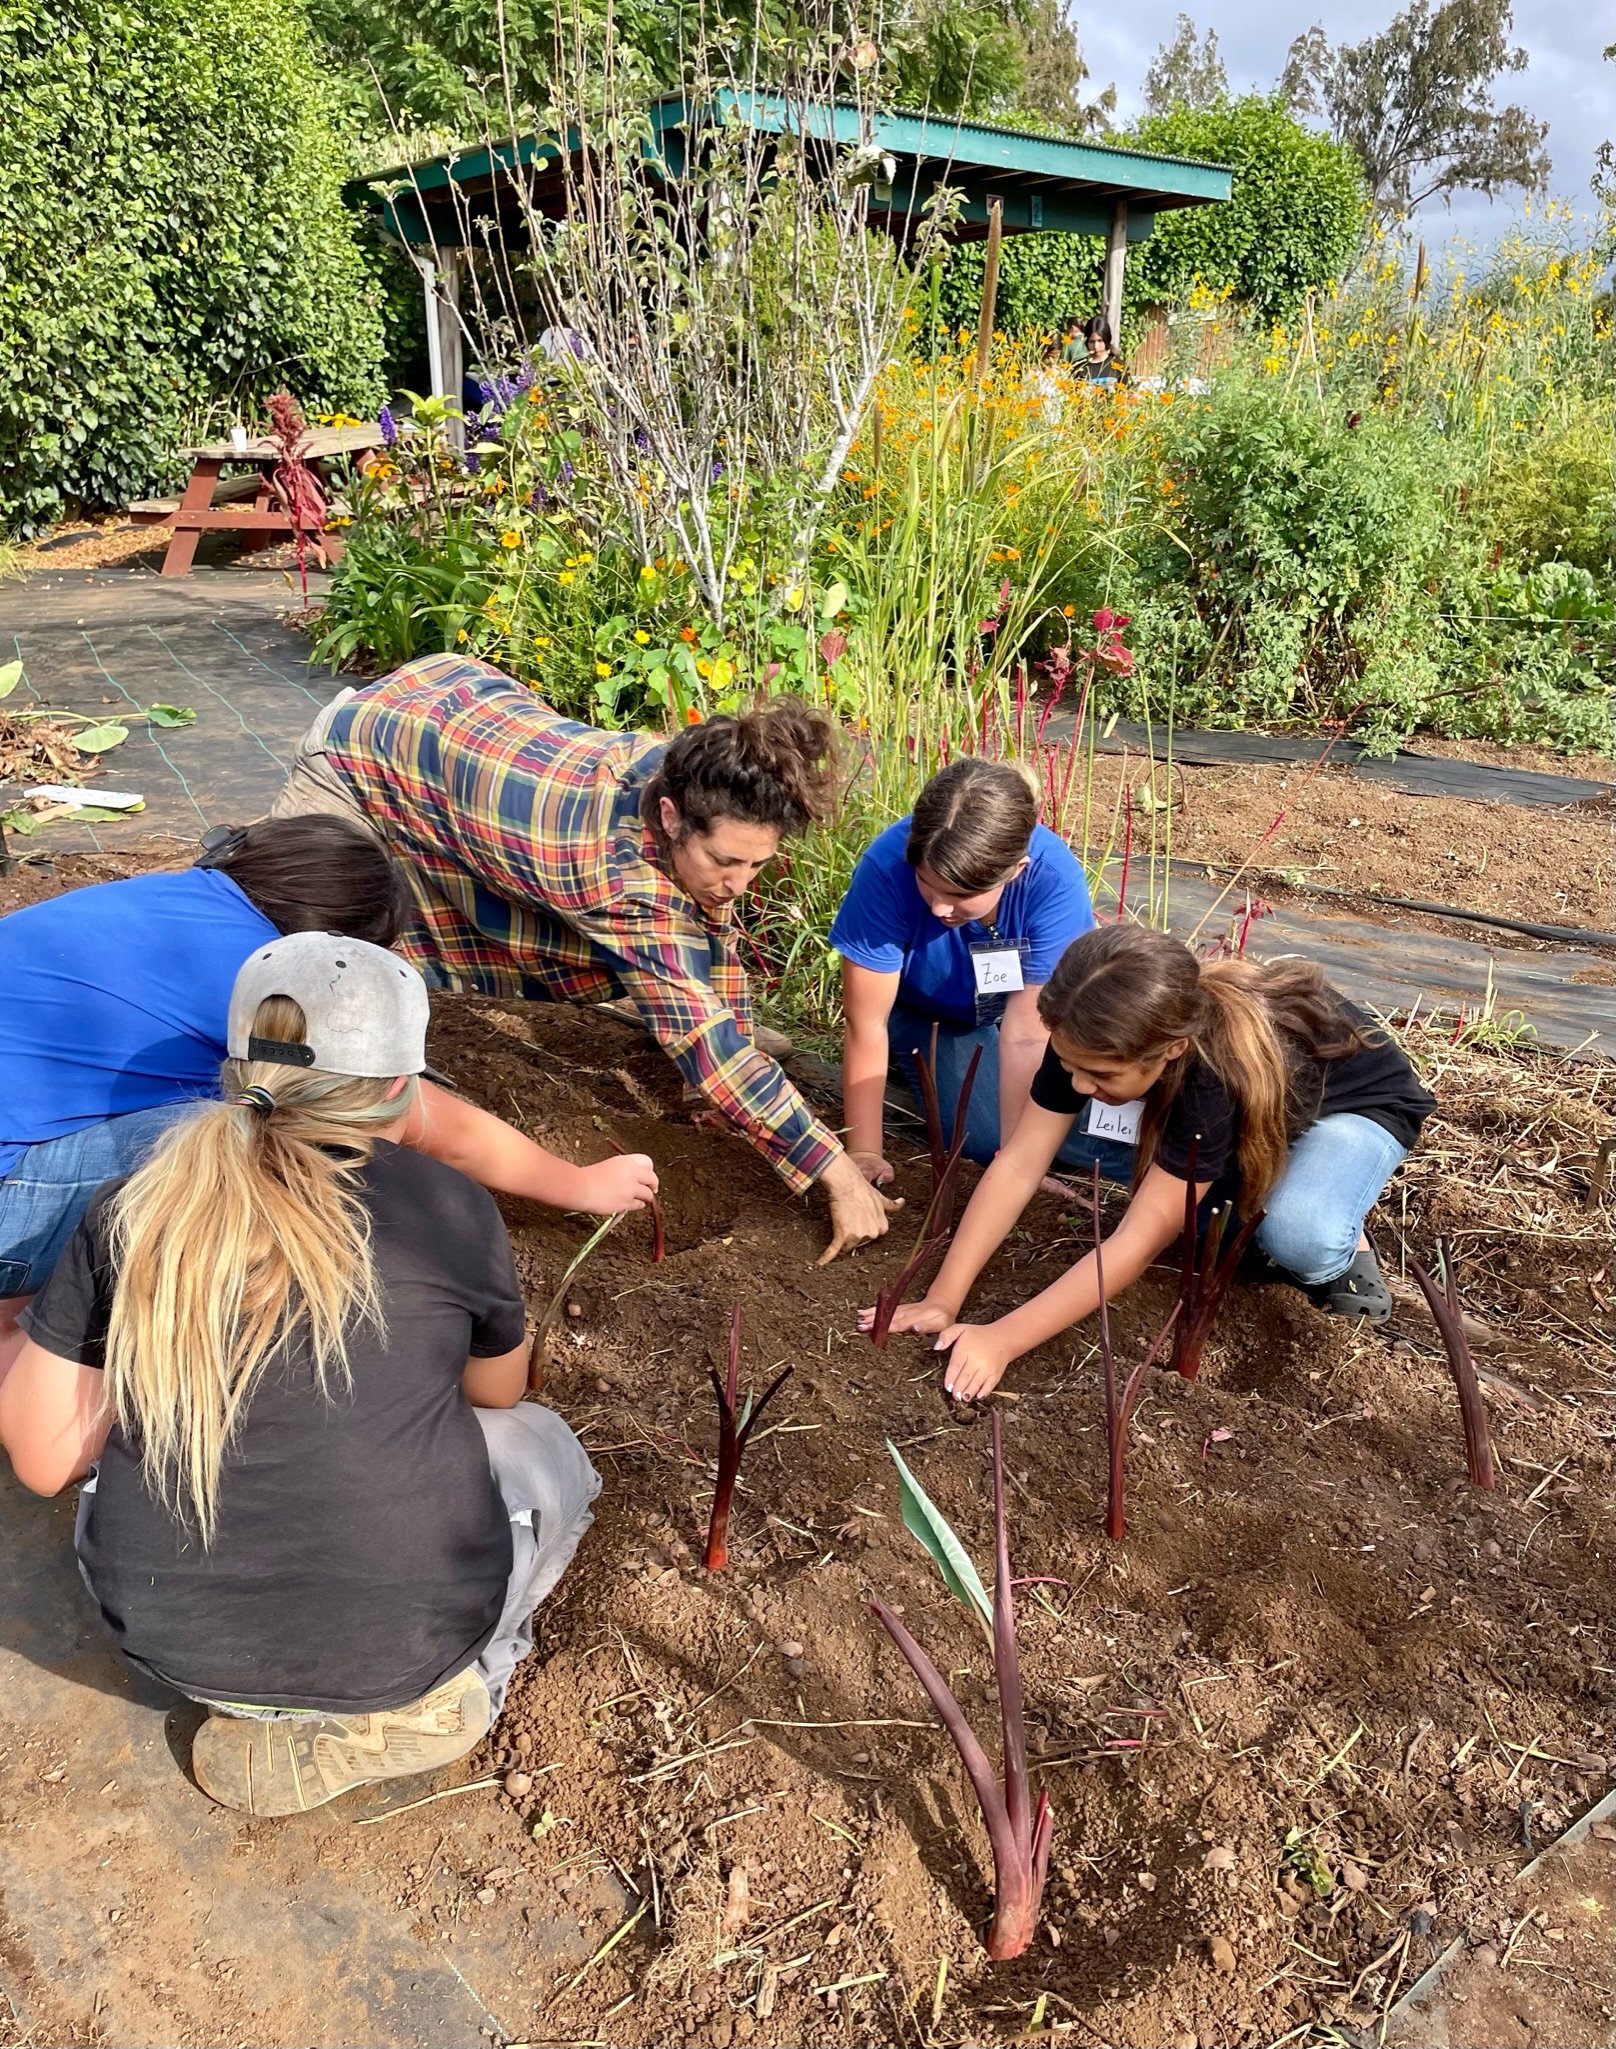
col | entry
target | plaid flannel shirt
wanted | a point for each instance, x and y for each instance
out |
(534, 875)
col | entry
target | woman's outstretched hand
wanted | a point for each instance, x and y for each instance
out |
(626, 1181)
(859, 1214)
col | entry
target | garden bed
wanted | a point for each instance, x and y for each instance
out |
(1323, 1696)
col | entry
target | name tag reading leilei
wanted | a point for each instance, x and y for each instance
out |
(997, 970)
(1115, 1120)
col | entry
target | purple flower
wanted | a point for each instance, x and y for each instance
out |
(389, 427)
(718, 469)
(485, 392)
(642, 440)
(567, 472)
(472, 462)
(524, 377)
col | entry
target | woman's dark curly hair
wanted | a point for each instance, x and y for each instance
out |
(774, 765)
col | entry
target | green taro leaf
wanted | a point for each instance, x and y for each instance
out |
(170, 715)
(925, 1522)
(10, 677)
(97, 739)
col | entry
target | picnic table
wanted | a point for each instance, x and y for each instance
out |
(247, 504)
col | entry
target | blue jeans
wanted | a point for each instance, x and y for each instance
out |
(1334, 1178)
(908, 1033)
(49, 1189)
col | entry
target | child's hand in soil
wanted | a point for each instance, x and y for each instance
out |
(624, 1182)
(978, 1356)
(926, 1318)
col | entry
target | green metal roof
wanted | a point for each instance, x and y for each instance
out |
(1042, 182)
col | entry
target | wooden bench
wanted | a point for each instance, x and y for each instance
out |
(159, 511)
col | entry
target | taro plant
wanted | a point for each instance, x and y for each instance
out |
(1119, 1406)
(734, 1430)
(537, 1369)
(659, 1241)
(937, 1226)
(1204, 1279)
(1444, 1303)
(299, 488)
(1019, 1834)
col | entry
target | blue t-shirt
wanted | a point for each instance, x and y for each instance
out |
(884, 924)
(115, 997)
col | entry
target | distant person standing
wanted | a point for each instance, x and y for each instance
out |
(1090, 353)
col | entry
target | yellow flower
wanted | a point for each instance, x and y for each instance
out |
(723, 672)
(510, 540)
(704, 667)
(461, 634)
(647, 574)
(566, 576)
(642, 637)
(794, 597)
(603, 668)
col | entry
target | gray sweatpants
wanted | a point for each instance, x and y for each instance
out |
(548, 1487)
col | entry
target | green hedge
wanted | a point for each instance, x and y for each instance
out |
(1291, 225)
(172, 238)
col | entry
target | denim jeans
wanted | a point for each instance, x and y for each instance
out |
(1334, 1177)
(49, 1189)
(908, 1033)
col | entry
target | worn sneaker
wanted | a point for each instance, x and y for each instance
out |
(287, 1767)
(1360, 1291)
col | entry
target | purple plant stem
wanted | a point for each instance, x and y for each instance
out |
(1116, 1428)
(1449, 1317)
(732, 1443)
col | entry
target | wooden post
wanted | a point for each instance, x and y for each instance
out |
(451, 337)
(990, 291)
(1116, 250)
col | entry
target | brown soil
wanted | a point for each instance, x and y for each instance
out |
(1314, 1625)
(1341, 833)
(1311, 1703)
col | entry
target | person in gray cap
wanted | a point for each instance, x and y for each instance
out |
(289, 1354)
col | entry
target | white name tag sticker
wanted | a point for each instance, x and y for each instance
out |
(997, 970)
(1115, 1120)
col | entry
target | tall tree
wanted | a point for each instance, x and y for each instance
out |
(996, 58)
(1186, 72)
(1415, 103)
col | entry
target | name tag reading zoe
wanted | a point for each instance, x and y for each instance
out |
(1115, 1120)
(997, 970)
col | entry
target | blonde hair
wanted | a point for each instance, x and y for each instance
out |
(244, 1227)
(1129, 992)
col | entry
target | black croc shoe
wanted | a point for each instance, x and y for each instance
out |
(1360, 1291)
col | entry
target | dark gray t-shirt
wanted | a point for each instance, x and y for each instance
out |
(362, 1549)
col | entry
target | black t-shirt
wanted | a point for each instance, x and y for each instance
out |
(362, 1549)
(1375, 1082)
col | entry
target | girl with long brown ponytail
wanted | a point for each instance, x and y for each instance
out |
(288, 1353)
(1293, 1103)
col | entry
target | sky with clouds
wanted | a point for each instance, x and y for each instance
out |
(1565, 81)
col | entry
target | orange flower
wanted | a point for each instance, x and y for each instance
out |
(687, 634)
(692, 716)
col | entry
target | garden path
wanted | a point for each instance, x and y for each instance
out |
(219, 641)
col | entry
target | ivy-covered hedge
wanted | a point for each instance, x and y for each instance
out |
(1291, 225)
(172, 238)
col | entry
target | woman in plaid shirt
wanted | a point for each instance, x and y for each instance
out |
(550, 860)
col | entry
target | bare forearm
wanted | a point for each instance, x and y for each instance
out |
(1073, 1297)
(1001, 1195)
(489, 1150)
(1018, 1063)
(864, 1082)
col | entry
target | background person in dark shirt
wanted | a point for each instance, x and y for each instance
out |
(296, 1347)
(1295, 1103)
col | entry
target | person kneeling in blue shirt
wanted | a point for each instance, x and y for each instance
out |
(954, 920)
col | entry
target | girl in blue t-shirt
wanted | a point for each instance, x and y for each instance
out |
(954, 919)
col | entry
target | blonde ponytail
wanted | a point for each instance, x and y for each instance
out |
(244, 1225)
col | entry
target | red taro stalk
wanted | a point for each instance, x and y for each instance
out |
(733, 1433)
(937, 1225)
(1019, 1835)
(1203, 1285)
(296, 482)
(1119, 1413)
(1444, 1302)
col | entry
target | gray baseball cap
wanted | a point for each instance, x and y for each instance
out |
(365, 1010)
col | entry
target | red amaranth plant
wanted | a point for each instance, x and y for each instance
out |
(300, 489)
(1444, 1303)
(733, 1433)
(937, 1226)
(1203, 1283)
(1020, 1835)
(1119, 1410)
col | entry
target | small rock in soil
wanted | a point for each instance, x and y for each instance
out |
(1353, 1876)
(524, 1742)
(1111, 1937)
(518, 1784)
(1485, 1954)
(790, 1648)
(1220, 1952)
(1187, 2041)
(796, 1668)
(1219, 1858)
